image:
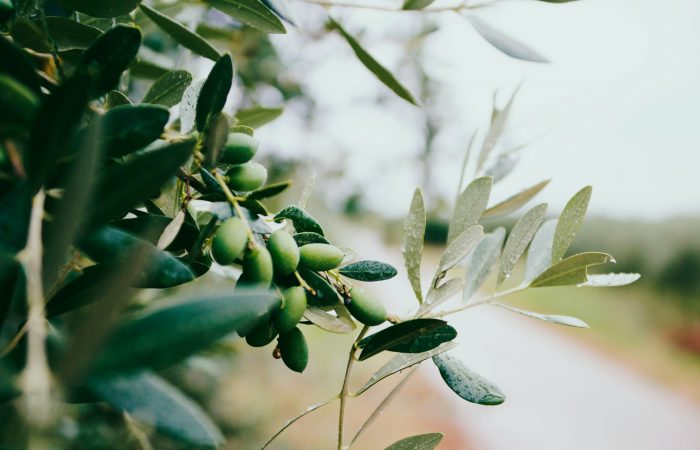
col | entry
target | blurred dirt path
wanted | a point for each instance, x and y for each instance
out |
(561, 394)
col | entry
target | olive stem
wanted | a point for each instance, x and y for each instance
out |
(483, 301)
(346, 384)
(232, 199)
(308, 410)
(304, 284)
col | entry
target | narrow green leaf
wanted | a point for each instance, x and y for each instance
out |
(460, 247)
(481, 262)
(309, 237)
(419, 442)
(123, 186)
(373, 65)
(539, 256)
(570, 222)
(412, 245)
(499, 119)
(403, 361)
(169, 89)
(147, 69)
(68, 34)
(181, 34)
(29, 35)
(439, 295)
(215, 137)
(368, 271)
(165, 335)
(150, 226)
(152, 400)
(108, 56)
(559, 320)
(251, 12)
(329, 322)
(572, 270)
(611, 279)
(116, 98)
(514, 203)
(416, 4)
(521, 235)
(129, 128)
(188, 106)
(102, 8)
(466, 383)
(324, 294)
(302, 220)
(270, 190)
(471, 204)
(257, 116)
(413, 336)
(504, 42)
(212, 97)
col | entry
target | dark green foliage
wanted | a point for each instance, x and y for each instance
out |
(130, 127)
(413, 336)
(368, 271)
(302, 220)
(214, 92)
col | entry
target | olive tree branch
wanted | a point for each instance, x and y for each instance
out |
(308, 410)
(346, 385)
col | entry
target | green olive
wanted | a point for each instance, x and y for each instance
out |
(293, 350)
(365, 308)
(293, 309)
(257, 267)
(247, 177)
(321, 257)
(263, 333)
(240, 148)
(284, 251)
(229, 241)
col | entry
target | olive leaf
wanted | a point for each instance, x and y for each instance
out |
(559, 320)
(270, 190)
(466, 383)
(28, 34)
(403, 361)
(499, 118)
(324, 294)
(439, 295)
(368, 271)
(164, 335)
(169, 88)
(610, 279)
(15, 62)
(102, 8)
(539, 256)
(309, 237)
(412, 336)
(470, 206)
(181, 34)
(251, 12)
(302, 220)
(214, 92)
(481, 262)
(128, 128)
(215, 137)
(154, 401)
(151, 226)
(412, 244)
(386, 77)
(572, 270)
(427, 441)
(570, 222)
(416, 4)
(329, 322)
(504, 42)
(68, 34)
(459, 248)
(519, 238)
(108, 56)
(257, 116)
(515, 202)
(116, 98)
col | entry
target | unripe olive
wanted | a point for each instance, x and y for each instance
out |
(240, 148)
(247, 177)
(321, 257)
(229, 241)
(257, 267)
(293, 309)
(263, 333)
(365, 308)
(293, 349)
(284, 251)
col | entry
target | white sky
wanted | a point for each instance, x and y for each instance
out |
(618, 106)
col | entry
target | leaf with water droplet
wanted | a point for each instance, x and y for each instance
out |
(519, 238)
(570, 222)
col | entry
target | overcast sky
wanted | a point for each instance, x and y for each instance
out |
(617, 107)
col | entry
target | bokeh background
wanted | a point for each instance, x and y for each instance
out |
(616, 108)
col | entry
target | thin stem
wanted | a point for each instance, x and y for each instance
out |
(310, 409)
(382, 406)
(232, 199)
(304, 284)
(346, 385)
(483, 301)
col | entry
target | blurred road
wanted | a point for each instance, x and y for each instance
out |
(561, 394)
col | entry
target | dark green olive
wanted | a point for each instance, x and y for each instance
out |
(294, 350)
(284, 251)
(229, 241)
(365, 308)
(263, 333)
(257, 267)
(321, 257)
(247, 177)
(292, 310)
(240, 148)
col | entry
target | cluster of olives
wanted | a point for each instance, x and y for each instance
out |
(274, 264)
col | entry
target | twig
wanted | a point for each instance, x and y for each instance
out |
(310, 409)
(346, 385)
